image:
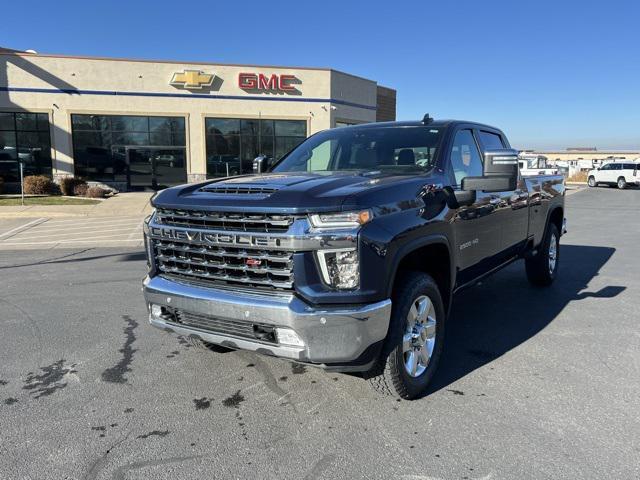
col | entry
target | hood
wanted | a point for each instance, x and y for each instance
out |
(302, 192)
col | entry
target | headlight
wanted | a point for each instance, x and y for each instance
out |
(340, 268)
(341, 219)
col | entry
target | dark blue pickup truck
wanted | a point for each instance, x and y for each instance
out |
(347, 253)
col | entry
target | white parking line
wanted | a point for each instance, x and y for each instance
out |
(72, 242)
(98, 233)
(95, 221)
(21, 228)
(108, 231)
(73, 227)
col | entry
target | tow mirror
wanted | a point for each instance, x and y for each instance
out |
(260, 164)
(500, 172)
(494, 183)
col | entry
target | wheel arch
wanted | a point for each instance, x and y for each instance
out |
(431, 255)
(555, 217)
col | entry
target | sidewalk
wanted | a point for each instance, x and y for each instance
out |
(130, 203)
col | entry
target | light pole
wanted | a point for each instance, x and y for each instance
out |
(21, 163)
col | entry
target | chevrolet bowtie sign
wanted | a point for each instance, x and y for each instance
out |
(192, 79)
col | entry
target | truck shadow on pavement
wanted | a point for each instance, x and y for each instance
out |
(505, 311)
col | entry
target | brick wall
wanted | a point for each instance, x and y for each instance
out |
(386, 104)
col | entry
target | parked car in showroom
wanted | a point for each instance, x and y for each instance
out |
(620, 174)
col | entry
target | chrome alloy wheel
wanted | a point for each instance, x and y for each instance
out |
(553, 253)
(420, 336)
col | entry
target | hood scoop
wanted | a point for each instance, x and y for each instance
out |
(238, 189)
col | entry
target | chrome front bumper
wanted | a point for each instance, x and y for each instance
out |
(336, 335)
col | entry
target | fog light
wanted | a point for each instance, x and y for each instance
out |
(287, 336)
(156, 311)
(340, 268)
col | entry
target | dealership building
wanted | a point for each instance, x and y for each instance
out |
(150, 124)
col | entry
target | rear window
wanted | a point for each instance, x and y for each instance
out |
(490, 141)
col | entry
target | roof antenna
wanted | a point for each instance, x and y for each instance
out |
(426, 120)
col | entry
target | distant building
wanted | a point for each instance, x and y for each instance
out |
(583, 155)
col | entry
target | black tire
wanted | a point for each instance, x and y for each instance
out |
(592, 181)
(390, 376)
(621, 183)
(539, 267)
(198, 343)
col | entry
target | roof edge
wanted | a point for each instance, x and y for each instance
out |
(143, 60)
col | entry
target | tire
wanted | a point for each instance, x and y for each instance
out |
(410, 356)
(622, 183)
(542, 268)
(198, 343)
(592, 181)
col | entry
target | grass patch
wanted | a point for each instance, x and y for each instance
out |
(52, 200)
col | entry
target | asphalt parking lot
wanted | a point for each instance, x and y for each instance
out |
(534, 383)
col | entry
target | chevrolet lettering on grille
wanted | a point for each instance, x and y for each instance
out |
(213, 238)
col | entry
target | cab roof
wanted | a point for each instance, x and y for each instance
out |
(419, 123)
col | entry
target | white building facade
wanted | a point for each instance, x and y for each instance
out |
(151, 124)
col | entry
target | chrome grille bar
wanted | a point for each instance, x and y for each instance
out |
(224, 265)
(226, 221)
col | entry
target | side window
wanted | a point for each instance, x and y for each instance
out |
(606, 167)
(465, 158)
(490, 141)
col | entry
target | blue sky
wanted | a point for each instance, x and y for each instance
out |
(551, 74)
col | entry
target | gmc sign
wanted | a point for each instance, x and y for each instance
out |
(265, 83)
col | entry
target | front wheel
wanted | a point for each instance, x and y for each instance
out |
(622, 183)
(542, 268)
(415, 339)
(592, 181)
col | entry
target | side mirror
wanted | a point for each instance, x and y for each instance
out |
(501, 162)
(500, 172)
(260, 164)
(493, 183)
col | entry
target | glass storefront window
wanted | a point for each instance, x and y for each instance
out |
(108, 148)
(232, 143)
(25, 136)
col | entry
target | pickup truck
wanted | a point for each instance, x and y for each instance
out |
(346, 254)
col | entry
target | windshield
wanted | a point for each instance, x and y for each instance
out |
(402, 150)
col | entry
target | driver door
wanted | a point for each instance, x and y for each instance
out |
(477, 232)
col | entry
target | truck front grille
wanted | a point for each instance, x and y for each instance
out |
(237, 222)
(224, 264)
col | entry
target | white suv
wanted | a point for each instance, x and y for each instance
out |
(621, 174)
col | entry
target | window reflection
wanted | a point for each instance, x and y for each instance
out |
(100, 147)
(232, 144)
(24, 136)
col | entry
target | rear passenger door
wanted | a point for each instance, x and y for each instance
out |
(511, 210)
(477, 232)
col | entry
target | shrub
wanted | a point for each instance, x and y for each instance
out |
(38, 185)
(96, 192)
(80, 188)
(578, 177)
(68, 184)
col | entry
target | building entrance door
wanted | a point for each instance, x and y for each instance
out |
(155, 168)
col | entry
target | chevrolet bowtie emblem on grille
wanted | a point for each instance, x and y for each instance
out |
(192, 79)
